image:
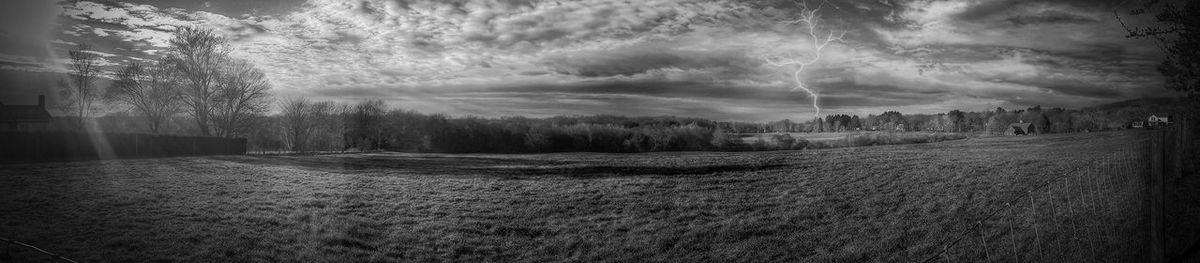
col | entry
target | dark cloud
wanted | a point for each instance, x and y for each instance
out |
(663, 89)
(848, 94)
(1072, 87)
(632, 61)
(1049, 17)
(686, 57)
(1005, 9)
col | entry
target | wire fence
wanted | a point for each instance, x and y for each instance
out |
(1109, 210)
(17, 251)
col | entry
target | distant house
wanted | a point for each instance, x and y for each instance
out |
(24, 117)
(1138, 125)
(1020, 128)
(1155, 121)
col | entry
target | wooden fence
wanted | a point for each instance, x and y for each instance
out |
(60, 146)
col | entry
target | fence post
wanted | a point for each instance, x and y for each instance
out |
(1158, 169)
(1178, 146)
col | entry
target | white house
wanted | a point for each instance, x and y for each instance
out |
(1158, 121)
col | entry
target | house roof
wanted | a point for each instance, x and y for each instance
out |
(23, 113)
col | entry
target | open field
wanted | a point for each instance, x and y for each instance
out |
(883, 203)
(810, 136)
(822, 140)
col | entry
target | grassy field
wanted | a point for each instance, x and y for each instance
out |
(821, 140)
(882, 203)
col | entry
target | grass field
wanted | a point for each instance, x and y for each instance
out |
(882, 203)
(821, 140)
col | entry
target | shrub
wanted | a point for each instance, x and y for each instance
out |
(800, 143)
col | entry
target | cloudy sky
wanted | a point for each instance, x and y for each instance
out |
(625, 57)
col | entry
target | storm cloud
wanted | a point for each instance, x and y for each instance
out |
(683, 57)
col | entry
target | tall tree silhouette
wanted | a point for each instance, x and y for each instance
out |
(1176, 33)
(148, 90)
(80, 93)
(197, 55)
(240, 92)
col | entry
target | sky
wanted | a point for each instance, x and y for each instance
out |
(627, 57)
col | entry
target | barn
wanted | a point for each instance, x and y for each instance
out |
(24, 117)
(1021, 128)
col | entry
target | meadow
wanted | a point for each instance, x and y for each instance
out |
(823, 140)
(880, 203)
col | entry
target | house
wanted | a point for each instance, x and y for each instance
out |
(1020, 128)
(1155, 121)
(1138, 125)
(24, 117)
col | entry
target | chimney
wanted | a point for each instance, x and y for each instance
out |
(42, 101)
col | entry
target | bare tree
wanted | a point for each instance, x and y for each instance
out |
(336, 123)
(149, 91)
(311, 125)
(365, 123)
(326, 129)
(197, 55)
(80, 94)
(241, 91)
(1178, 36)
(296, 122)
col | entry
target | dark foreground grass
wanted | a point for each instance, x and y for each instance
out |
(885, 203)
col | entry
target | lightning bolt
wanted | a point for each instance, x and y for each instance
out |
(809, 19)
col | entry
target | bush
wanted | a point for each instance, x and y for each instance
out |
(783, 140)
(897, 138)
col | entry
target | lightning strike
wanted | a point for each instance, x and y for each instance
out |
(809, 19)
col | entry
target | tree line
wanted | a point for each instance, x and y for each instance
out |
(1055, 120)
(306, 125)
(197, 77)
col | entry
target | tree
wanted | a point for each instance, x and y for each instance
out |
(893, 120)
(198, 56)
(956, 119)
(296, 121)
(150, 91)
(1178, 36)
(366, 125)
(240, 92)
(1040, 122)
(999, 123)
(328, 127)
(81, 94)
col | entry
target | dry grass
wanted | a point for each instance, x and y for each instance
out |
(884, 203)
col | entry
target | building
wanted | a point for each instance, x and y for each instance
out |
(1138, 125)
(1020, 128)
(1155, 121)
(25, 117)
